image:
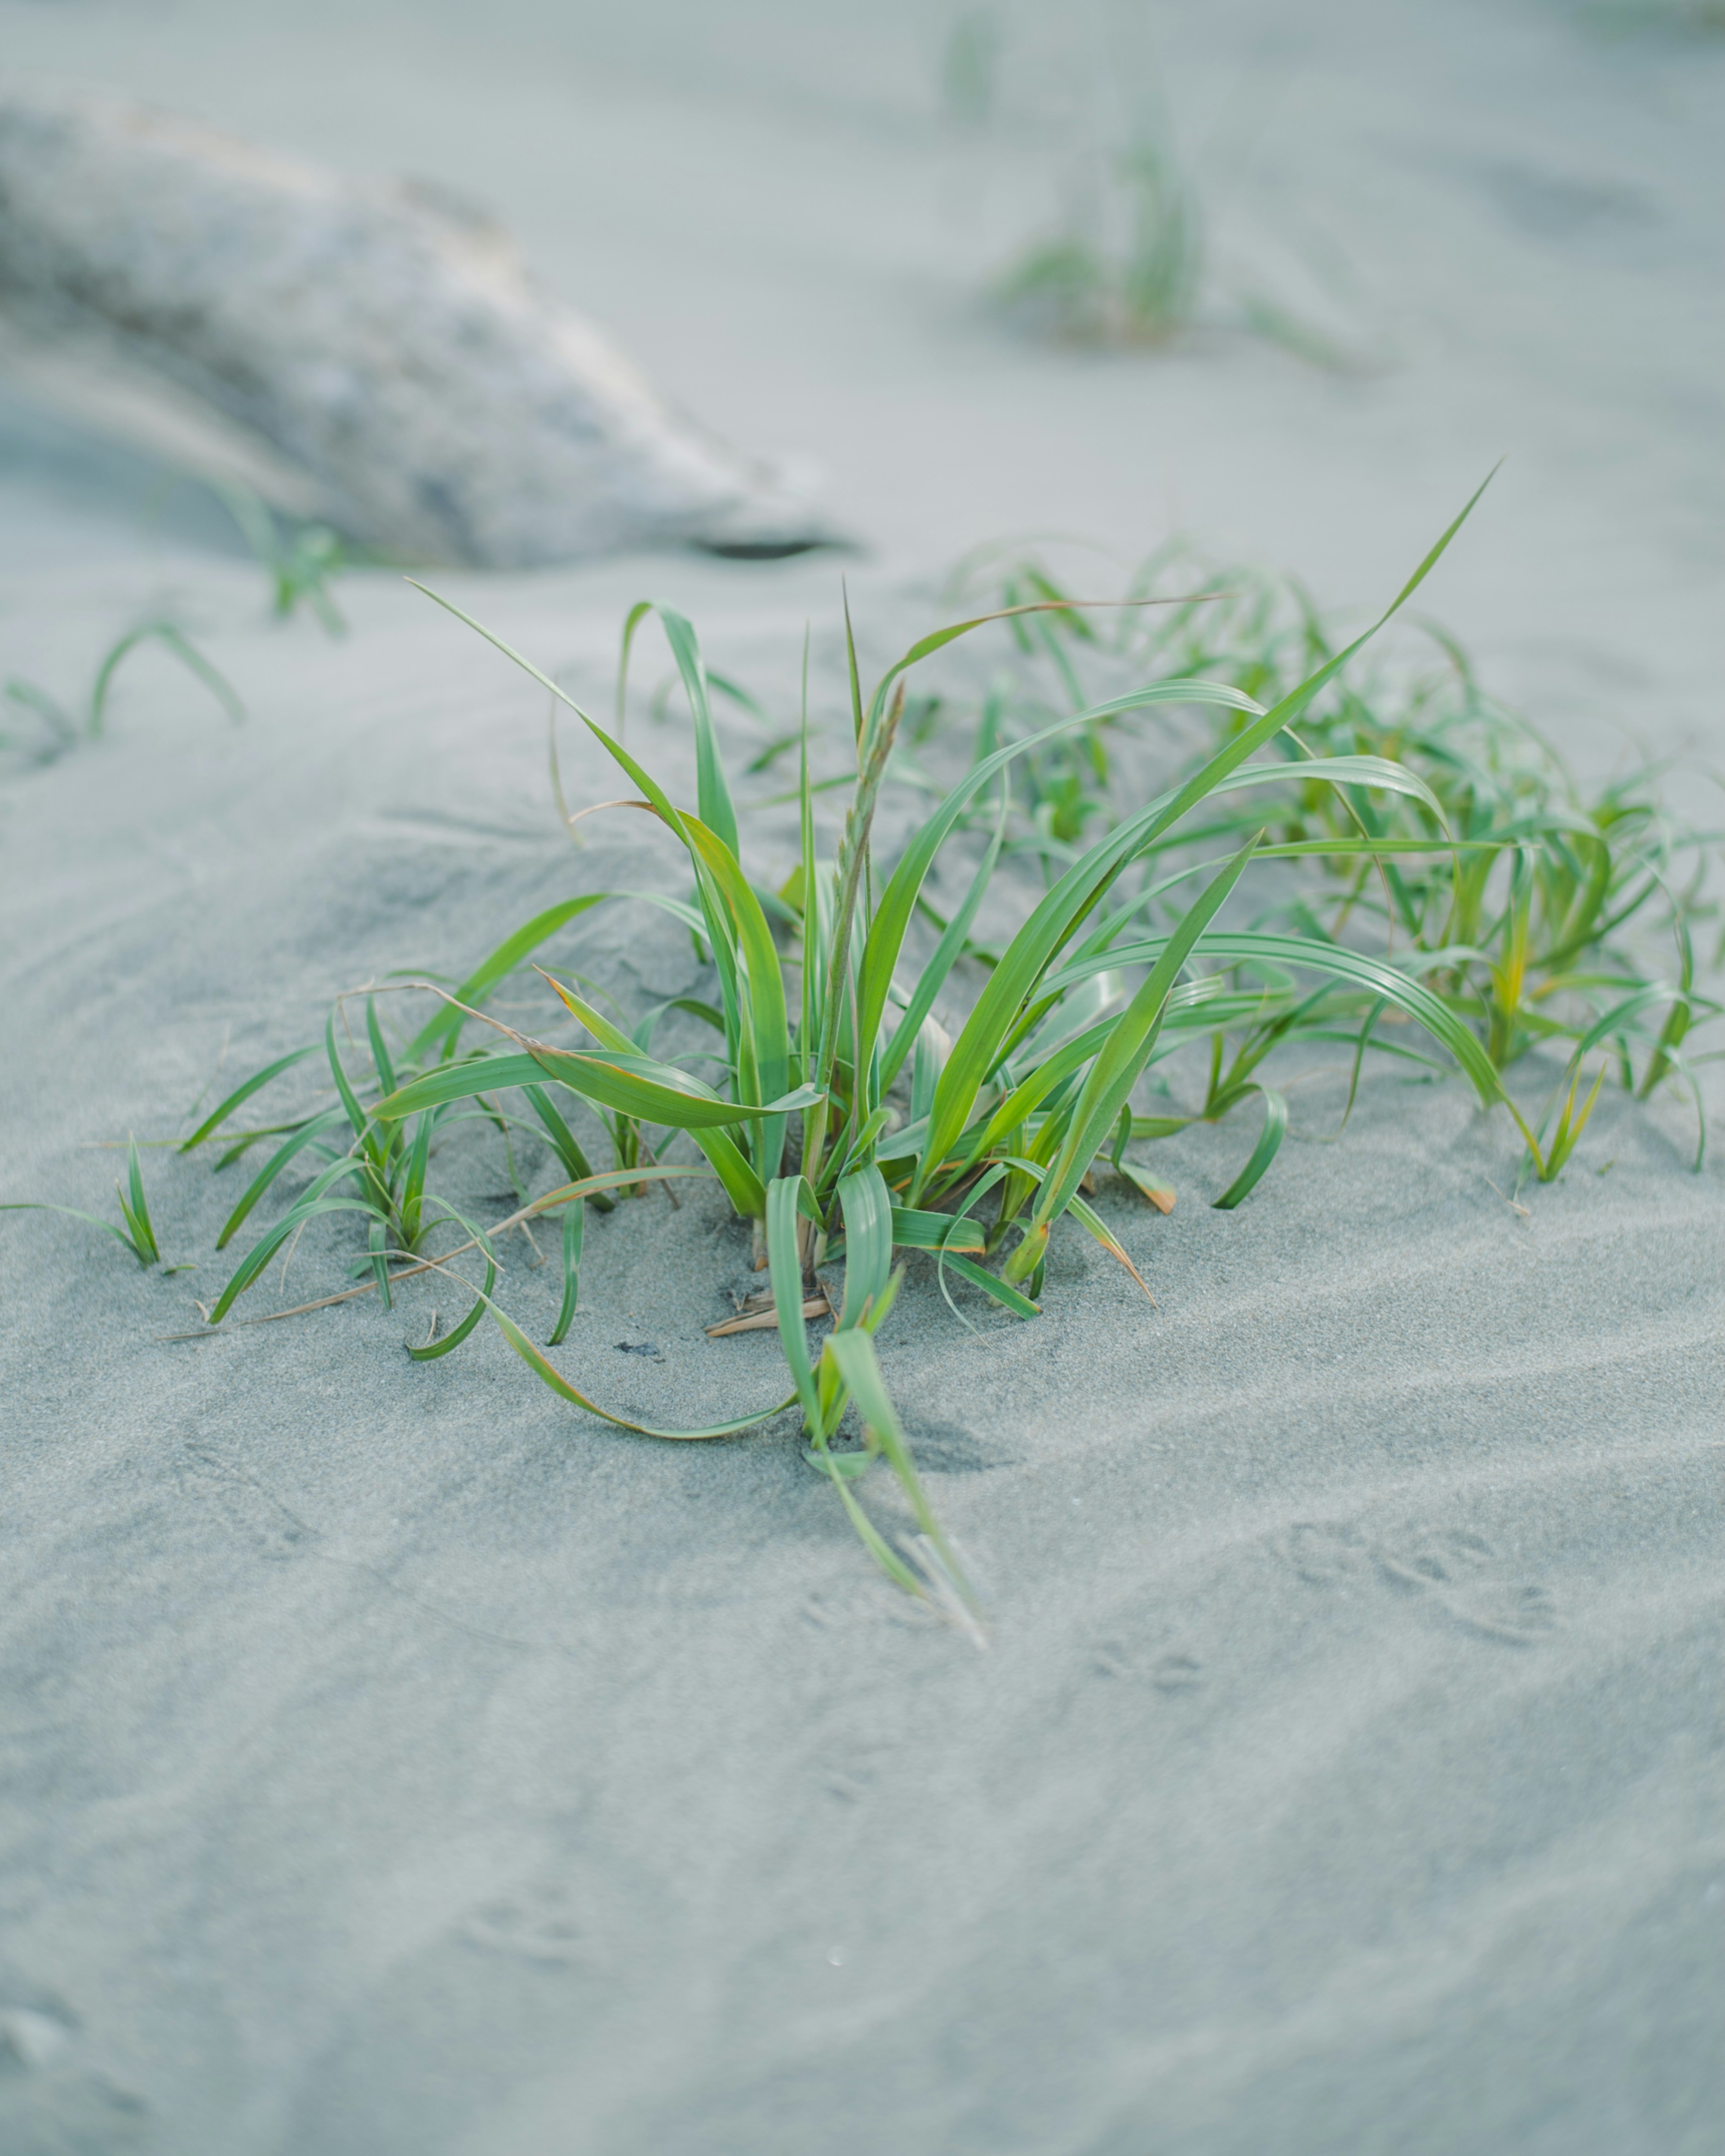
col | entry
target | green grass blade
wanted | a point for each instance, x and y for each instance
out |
(867, 1205)
(413, 1194)
(1003, 1292)
(712, 793)
(308, 1134)
(573, 1222)
(28, 696)
(656, 1092)
(913, 1230)
(242, 1094)
(381, 1062)
(137, 1213)
(310, 1207)
(350, 1100)
(761, 975)
(1396, 987)
(458, 1081)
(72, 1213)
(549, 1376)
(932, 977)
(745, 1189)
(1121, 1058)
(853, 1353)
(170, 638)
(784, 1199)
(453, 1339)
(563, 1142)
(1369, 770)
(1269, 1138)
(513, 951)
(898, 901)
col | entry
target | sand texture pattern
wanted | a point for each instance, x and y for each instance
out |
(394, 1762)
(462, 1774)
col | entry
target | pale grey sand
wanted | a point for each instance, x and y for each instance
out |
(394, 1760)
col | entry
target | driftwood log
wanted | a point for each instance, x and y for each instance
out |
(377, 356)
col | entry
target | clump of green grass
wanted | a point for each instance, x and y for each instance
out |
(1563, 920)
(61, 726)
(844, 1120)
(1120, 257)
(1123, 260)
(1125, 266)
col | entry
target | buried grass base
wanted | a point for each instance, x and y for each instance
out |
(846, 1122)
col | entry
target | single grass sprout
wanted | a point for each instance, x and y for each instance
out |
(299, 559)
(137, 1234)
(62, 728)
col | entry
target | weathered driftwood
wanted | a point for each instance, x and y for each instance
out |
(379, 355)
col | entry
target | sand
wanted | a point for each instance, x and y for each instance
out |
(395, 1760)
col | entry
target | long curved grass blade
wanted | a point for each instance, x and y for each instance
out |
(308, 1208)
(785, 1197)
(357, 1115)
(549, 1375)
(852, 1351)
(381, 1062)
(28, 696)
(867, 1205)
(935, 1231)
(1345, 849)
(1380, 978)
(1649, 993)
(1369, 770)
(769, 1037)
(932, 976)
(459, 1082)
(744, 1188)
(898, 901)
(951, 1232)
(563, 1142)
(513, 951)
(1027, 955)
(625, 1081)
(90, 1220)
(170, 638)
(1003, 1292)
(648, 785)
(136, 1209)
(308, 1134)
(1269, 1138)
(242, 1094)
(659, 1092)
(453, 1339)
(574, 1222)
(1124, 1054)
(711, 791)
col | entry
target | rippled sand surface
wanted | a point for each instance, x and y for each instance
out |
(392, 1761)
